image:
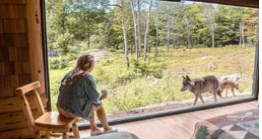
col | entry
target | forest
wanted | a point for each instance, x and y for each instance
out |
(143, 47)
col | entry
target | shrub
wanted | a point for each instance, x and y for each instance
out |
(72, 56)
(58, 62)
(63, 41)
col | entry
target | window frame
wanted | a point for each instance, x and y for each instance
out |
(85, 125)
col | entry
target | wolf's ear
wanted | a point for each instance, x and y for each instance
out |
(187, 77)
(184, 77)
(192, 83)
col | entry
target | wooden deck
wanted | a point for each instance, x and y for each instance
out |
(175, 126)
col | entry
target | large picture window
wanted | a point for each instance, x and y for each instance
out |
(154, 56)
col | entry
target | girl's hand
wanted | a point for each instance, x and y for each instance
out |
(104, 96)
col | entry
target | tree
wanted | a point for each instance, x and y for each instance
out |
(193, 19)
(86, 16)
(132, 3)
(147, 29)
(63, 42)
(168, 28)
(124, 33)
(71, 22)
(156, 44)
(208, 10)
(138, 28)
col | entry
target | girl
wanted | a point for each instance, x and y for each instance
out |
(78, 96)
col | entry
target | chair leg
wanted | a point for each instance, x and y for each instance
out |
(65, 136)
(48, 133)
(76, 131)
(37, 135)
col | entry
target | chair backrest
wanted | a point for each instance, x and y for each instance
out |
(22, 91)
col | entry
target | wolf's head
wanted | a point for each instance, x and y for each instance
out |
(187, 83)
(238, 75)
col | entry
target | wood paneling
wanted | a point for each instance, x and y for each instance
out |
(6, 40)
(34, 37)
(22, 11)
(14, 104)
(9, 25)
(20, 26)
(21, 62)
(21, 40)
(14, 120)
(8, 11)
(17, 133)
(1, 26)
(4, 56)
(18, 54)
(9, 68)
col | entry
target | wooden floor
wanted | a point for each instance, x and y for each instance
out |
(176, 126)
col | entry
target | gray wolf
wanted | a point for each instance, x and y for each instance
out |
(225, 85)
(233, 77)
(201, 85)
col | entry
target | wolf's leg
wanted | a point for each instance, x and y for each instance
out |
(226, 92)
(196, 98)
(215, 95)
(201, 98)
(222, 92)
(232, 89)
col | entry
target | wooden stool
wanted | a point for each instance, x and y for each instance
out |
(48, 122)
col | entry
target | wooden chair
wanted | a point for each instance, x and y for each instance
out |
(48, 122)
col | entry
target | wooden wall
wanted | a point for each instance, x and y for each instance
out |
(21, 62)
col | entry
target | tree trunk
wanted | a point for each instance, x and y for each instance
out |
(88, 33)
(135, 27)
(174, 43)
(156, 31)
(208, 11)
(88, 40)
(243, 35)
(240, 37)
(138, 28)
(63, 20)
(124, 33)
(147, 28)
(212, 32)
(189, 45)
(131, 49)
(168, 30)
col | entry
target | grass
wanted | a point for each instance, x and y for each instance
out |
(132, 88)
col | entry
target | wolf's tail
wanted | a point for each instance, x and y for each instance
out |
(219, 93)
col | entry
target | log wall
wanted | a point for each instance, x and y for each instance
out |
(21, 62)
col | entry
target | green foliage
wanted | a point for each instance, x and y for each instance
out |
(58, 62)
(98, 24)
(63, 41)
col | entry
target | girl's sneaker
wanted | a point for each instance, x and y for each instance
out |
(111, 130)
(96, 133)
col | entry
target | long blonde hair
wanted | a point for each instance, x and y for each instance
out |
(85, 63)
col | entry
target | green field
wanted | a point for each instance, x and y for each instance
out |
(134, 88)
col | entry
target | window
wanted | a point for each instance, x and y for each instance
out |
(166, 43)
